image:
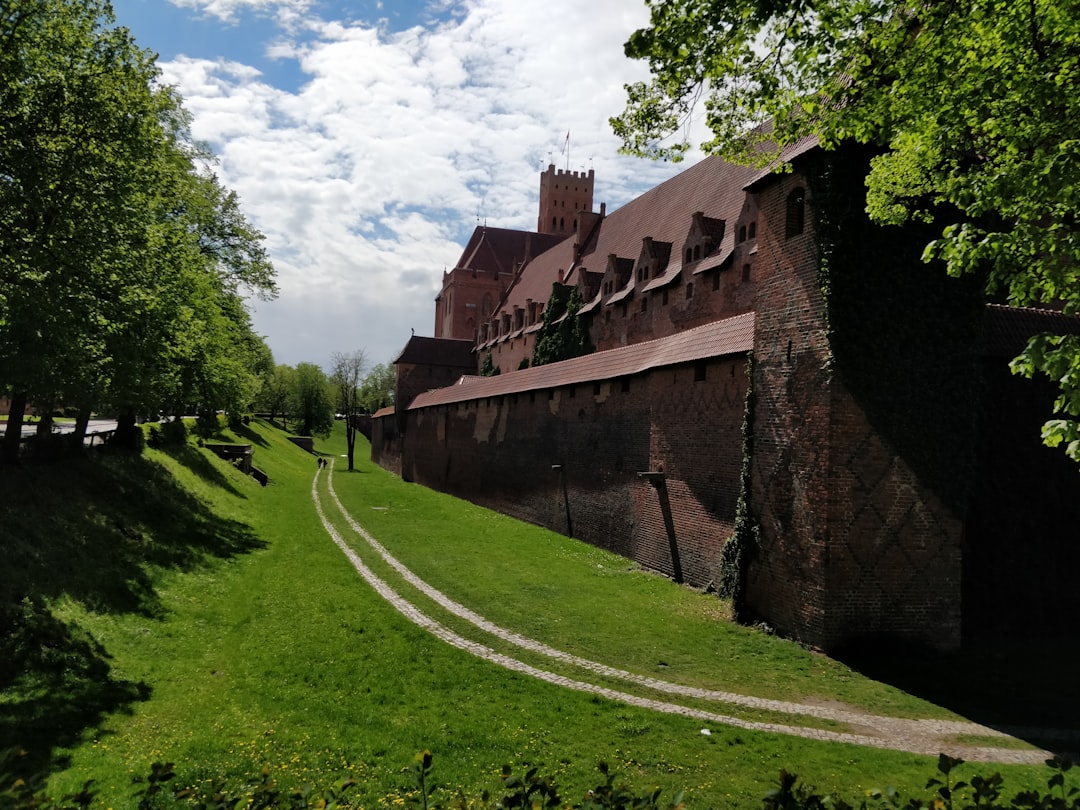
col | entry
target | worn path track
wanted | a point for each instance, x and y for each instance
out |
(916, 736)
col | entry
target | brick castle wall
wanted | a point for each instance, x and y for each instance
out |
(516, 453)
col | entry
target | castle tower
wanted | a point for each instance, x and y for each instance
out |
(562, 196)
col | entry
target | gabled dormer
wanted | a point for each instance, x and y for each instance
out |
(704, 236)
(617, 272)
(652, 260)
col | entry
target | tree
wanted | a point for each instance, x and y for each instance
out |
(973, 106)
(278, 384)
(312, 401)
(563, 334)
(346, 377)
(377, 389)
(122, 263)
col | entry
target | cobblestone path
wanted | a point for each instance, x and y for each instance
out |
(928, 737)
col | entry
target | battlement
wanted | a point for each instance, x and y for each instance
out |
(565, 173)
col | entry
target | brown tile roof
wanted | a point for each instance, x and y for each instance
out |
(787, 155)
(665, 213)
(430, 351)
(387, 411)
(729, 336)
(1006, 330)
(498, 249)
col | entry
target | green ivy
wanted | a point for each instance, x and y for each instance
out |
(562, 339)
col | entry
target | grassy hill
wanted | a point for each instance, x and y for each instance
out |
(168, 608)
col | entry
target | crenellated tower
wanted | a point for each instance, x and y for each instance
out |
(563, 194)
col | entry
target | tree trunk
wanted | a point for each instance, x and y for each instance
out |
(45, 424)
(350, 438)
(81, 422)
(126, 431)
(9, 450)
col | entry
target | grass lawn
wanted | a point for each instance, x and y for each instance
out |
(180, 612)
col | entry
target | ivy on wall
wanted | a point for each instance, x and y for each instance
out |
(741, 546)
(562, 339)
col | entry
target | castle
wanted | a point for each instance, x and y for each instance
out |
(782, 402)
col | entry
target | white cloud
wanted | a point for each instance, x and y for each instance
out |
(368, 179)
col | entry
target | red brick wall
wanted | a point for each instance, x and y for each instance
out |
(500, 453)
(786, 581)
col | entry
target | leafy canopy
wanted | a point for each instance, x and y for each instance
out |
(973, 103)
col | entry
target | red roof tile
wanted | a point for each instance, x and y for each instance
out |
(729, 336)
(430, 351)
(1007, 330)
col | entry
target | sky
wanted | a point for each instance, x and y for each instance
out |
(368, 138)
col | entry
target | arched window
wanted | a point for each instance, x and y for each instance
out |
(562, 224)
(697, 252)
(689, 255)
(753, 230)
(796, 213)
(742, 233)
(554, 223)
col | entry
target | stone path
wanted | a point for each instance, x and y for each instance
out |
(928, 737)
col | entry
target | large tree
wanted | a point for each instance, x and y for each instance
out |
(312, 400)
(973, 105)
(122, 262)
(347, 369)
(377, 389)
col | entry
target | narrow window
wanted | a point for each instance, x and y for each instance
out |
(663, 299)
(716, 281)
(697, 252)
(699, 372)
(796, 213)
(752, 233)
(625, 384)
(689, 291)
(644, 303)
(596, 389)
(689, 255)
(742, 233)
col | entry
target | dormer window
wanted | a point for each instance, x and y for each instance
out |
(742, 233)
(689, 255)
(752, 232)
(697, 252)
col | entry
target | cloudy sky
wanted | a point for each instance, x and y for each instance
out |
(367, 138)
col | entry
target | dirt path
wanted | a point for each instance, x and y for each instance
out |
(916, 736)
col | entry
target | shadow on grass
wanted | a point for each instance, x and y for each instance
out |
(94, 531)
(246, 433)
(1016, 686)
(201, 466)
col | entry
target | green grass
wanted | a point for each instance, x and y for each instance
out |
(198, 618)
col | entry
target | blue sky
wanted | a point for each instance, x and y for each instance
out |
(365, 138)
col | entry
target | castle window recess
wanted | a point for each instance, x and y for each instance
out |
(596, 389)
(625, 385)
(742, 233)
(699, 371)
(663, 299)
(796, 213)
(716, 281)
(689, 291)
(689, 255)
(752, 233)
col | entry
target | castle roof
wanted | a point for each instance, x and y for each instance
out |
(713, 186)
(726, 337)
(496, 250)
(1007, 330)
(430, 351)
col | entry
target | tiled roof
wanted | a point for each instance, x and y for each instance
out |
(430, 351)
(718, 259)
(387, 411)
(665, 213)
(787, 155)
(665, 278)
(729, 336)
(1006, 330)
(497, 249)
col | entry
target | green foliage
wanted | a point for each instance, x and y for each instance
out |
(970, 106)
(345, 376)
(122, 262)
(311, 401)
(377, 389)
(740, 547)
(488, 367)
(563, 335)
(533, 790)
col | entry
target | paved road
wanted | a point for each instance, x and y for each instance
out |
(927, 737)
(94, 426)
